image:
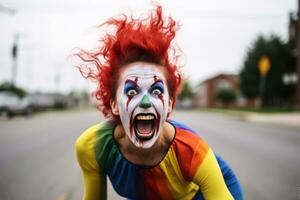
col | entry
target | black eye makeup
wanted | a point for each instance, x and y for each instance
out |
(157, 88)
(131, 88)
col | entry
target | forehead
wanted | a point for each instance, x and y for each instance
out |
(143, 71)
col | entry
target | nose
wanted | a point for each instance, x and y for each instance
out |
(145, 102)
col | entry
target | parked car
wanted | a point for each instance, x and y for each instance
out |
(11, 105)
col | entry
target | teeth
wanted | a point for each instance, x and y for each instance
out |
(145, 117)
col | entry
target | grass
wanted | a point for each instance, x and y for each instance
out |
(247, 110)
(266, 110)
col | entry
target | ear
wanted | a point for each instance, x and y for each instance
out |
(170, 108)
(114, 107)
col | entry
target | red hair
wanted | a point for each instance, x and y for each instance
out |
(147, 40)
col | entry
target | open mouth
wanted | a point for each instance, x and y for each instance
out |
(144, 126)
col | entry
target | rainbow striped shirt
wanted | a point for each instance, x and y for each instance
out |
(189, 170)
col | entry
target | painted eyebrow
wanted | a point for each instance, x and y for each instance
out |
(130, 84)
(158, 83)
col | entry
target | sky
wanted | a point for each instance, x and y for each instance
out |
(214, 35)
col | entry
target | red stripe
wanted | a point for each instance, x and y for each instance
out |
(162, 184)
(190, 150)
(150, 186)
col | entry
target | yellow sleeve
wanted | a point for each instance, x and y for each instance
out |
(210, 179)
(94, 181)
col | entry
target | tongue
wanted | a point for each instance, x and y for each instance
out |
(144, 127)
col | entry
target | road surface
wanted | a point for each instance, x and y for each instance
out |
(37, 158)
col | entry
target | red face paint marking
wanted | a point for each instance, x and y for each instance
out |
(128, 100)
(158, 122)
(130, 97)
(136, 80)
(131, 124)
(141, 143)
(160, 96)
(168, 114)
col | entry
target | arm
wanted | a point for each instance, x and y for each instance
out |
(230, 179)
(210, 179)
(94, 181)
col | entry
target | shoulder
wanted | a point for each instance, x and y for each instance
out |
(190, 149)
(86, 143)
(90, 135)
(87, 138)
(187, 137)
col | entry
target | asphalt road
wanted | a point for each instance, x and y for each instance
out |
(37, 158)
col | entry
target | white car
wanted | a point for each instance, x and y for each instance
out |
(11, 104)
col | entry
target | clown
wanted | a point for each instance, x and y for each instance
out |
(144, 153)
(143, 102)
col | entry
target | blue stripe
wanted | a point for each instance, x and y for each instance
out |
(181, 126)
(230, 179)
(123, 177)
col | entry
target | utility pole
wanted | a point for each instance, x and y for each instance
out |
(14, 50)
(298, 57)
(14, 54)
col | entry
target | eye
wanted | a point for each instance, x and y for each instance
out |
(131, 92)
(156, 91)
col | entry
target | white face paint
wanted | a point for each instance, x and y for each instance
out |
(143, 101)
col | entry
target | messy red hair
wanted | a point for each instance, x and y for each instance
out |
(147, 40)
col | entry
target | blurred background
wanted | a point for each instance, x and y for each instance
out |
(241, 92)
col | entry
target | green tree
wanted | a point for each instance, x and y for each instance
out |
(186, 92)
(226, 96)
(282, 62)
(8, 87)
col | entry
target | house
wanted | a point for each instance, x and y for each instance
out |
(206, 91)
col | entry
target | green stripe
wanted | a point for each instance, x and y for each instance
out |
(106, 150)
